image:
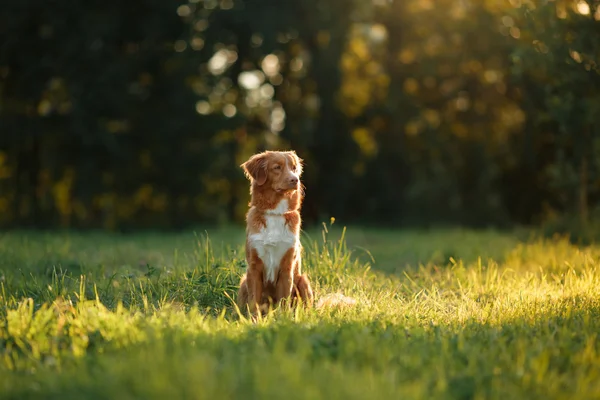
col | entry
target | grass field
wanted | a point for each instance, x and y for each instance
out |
(449, 314)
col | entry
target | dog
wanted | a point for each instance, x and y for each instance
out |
(273, 250)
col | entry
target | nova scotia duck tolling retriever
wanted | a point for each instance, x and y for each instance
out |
(273, 251)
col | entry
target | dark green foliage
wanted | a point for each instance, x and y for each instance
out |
(136, 114)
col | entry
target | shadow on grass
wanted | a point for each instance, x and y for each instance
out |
(550, 354)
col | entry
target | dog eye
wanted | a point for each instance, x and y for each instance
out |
(277, 167)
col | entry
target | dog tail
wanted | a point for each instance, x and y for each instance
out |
(335, 300)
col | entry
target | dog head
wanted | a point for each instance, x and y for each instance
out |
(276, 170)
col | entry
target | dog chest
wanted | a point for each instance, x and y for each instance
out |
(271, 244)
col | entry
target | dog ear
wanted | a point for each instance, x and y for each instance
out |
(298, 162)
(256, 168)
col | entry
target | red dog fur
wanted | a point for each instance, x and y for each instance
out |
(273, 250)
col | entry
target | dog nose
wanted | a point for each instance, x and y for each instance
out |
(294, 180)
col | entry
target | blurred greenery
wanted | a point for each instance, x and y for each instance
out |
(137, 114)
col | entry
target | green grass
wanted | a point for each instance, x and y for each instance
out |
(450, 314)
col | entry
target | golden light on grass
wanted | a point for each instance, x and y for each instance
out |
(429, 303)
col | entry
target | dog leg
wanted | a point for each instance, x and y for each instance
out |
(285, 280)
(303, 290)
(285, 285)
(254, 281)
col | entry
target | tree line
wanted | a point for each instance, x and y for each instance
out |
(138, 114)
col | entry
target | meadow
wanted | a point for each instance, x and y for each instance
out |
(444, 314)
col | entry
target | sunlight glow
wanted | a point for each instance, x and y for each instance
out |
(561, 10)
(515, 32)
(508, 21)
(252, 99)
(296, 64)
(229, 110)
(491, 76)
(203, 107)
(201, 25)
(378, 33)
(583, 8)
(184, 10)
(218, 62)
(575, 55)
(197, 43)
(267, 91)
(260, 96)
(251, 79)
(277, 118)
(221, 60)
(270, 65)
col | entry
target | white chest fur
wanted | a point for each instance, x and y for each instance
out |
(274, 240)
